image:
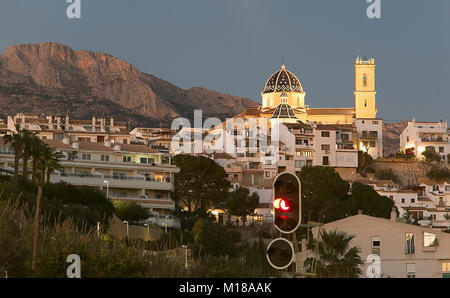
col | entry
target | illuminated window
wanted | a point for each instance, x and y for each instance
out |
(376, 245)
(428, 239)
(446, 266)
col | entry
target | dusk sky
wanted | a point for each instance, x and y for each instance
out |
(233, 46)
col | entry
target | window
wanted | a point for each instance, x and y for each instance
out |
(85, 156)
(411, 270)
(365, 103)
(365, 80)
(325, 134)
(143, 160)
(428, 239)
(126, 158)
(104, 158)
(325, 161)
(413, 200)
(376, 245)
(441, 149)
(372, 144)
(403, 201)
(410, 247)
(344, 137)
(267, 174)
(325, 147)
(446, 266)
(375, 122)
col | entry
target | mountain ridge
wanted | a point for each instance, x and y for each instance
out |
(48, 77)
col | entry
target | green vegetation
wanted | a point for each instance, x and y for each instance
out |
(431, 155)
(439, 173)
(326, 198)
(240, 203)
(130, 211)
(364, 162)
(200, 184)
(335, 259)
(387, 174)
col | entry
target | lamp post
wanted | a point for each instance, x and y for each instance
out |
(126, 222)
(148, 230)
(107, 189)
(185, 253)
(98, 228)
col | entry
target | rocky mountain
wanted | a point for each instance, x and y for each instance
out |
(391, 136)
(51, 78)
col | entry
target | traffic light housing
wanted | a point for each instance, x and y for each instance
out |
(280, 253)
(287, 202)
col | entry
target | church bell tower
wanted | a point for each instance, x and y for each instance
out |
(365, 104)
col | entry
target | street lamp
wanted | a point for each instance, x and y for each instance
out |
(148, 230)
(107, 189)
(185, 252)
(98, 228)
(126, 222)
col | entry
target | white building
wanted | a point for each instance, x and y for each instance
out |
(419, 135)
(405, 250)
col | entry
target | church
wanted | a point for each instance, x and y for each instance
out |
(283, 97)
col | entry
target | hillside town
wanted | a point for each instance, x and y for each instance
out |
(283, 134)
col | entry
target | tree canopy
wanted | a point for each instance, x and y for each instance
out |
(240, 203)
(201, 182)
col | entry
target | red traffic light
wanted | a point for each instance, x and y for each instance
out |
(281, 204)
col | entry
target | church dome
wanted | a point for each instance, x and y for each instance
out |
(283, 81)
(284, 111)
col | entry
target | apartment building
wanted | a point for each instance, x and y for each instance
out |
(157, 138)
(420, 135)
(334, 145)
(405, 250)
(96, 130)
(370, 136)
(129, 172)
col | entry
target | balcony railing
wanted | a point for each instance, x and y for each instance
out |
(114, 177)
(410, 249)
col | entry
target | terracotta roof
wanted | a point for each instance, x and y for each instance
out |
(57, 144)
(299, 124)
(94, 146)
(333, 111)
(346, 127)
(137, 148)
(222, 155)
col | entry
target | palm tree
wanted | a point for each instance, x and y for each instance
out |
(334, 258)
(16, 141)
(28, 141)
(36, 151)
(48, 161)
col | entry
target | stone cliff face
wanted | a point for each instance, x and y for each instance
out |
(391, 136)
(52, 78)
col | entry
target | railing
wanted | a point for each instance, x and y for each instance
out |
(410, 249)
(114, 177)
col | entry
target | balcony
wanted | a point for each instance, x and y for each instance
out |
(137, 182)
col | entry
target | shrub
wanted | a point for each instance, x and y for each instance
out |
(438, 173)
(130, 211)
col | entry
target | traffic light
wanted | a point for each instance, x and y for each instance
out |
(280, 253)
(287, 202)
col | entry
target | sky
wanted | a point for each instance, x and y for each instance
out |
(233, 46)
